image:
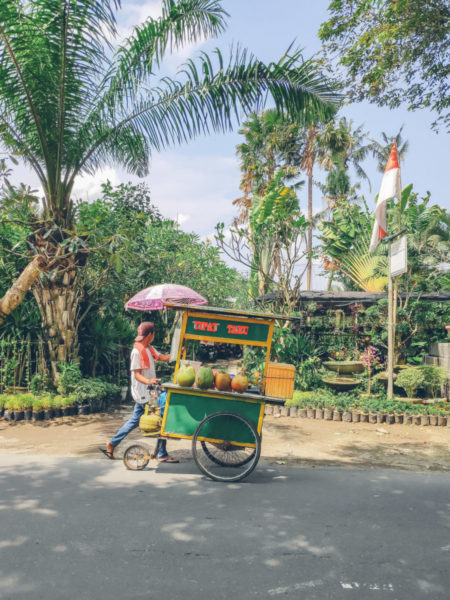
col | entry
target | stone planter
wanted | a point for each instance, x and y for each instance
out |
(407, 419)
(319, 413)
(417, 420)
(398, 419)
(276, 411)
(284, 410)
(347, 416)
(302, 413)
(433, 420)
(293, 410)
(310, 413)
(356, 416)
(123, 393)
(390, 419)
(364, 417)
(442, 421)
(337, 415)
(373, 418)
(424, 420)
(381, 418)
(327, 414)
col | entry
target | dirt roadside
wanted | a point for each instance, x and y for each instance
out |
(286, 440)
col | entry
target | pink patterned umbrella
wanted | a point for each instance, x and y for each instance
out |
(153, 297)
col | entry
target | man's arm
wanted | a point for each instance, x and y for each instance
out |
(164, 357)
(142, 379)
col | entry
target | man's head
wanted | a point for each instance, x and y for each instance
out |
(146, 331)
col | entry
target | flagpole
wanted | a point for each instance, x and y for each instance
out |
(390, 369)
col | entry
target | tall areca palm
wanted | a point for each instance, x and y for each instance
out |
(72, 101)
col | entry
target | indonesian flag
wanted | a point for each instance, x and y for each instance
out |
(391, 186)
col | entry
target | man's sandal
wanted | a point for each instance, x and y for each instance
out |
(108, 454)
(169, 459)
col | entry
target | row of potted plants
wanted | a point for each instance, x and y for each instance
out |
(351, 407)
(37, 407)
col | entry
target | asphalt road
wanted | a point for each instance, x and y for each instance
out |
(88, 529)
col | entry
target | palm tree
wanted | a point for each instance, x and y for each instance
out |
(71, 101)
(345, 146)
(381, 150)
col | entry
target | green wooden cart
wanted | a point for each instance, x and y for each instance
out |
(225, 427)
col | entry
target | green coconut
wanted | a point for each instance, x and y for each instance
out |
(185, 376)
(204, 378)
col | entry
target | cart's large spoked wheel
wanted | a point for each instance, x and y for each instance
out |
(136, 457)
(226, 447)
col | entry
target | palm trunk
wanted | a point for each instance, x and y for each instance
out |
(58, 303)
(310, 232)
(19, 288)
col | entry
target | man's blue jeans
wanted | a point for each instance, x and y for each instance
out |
(131, 424)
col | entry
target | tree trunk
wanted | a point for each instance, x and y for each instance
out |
(19, 288)
(58, 301)
(310, 231)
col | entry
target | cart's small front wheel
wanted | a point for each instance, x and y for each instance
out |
(226, 447)
(136, 457)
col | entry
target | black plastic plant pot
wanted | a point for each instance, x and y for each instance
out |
(38, 416)
(67, 411)
(57, 412)
(28, 415)
(48, 414)
(83, 409)
(18, 415)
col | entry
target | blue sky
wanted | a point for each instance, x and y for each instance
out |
(197, 182)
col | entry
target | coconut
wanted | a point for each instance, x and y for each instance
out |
(222, 381)
(185, 376)
(204, 378)
(239, 383)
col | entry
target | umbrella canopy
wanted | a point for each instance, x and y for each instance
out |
(153, 297)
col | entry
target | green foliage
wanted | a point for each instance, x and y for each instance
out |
(352, 401)
(382, 45)
(434, 377)
(70, 377)
(410, 380)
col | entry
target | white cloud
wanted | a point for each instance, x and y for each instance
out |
(182, 218)
(89, 187)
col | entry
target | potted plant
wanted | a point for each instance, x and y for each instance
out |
(27, 401)
(57, 406)
(319, 410)
(8, 414)
(328, 410)
(38, 409)
(2, 405)
(48, 408)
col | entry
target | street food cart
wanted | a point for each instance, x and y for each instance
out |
(224, 426)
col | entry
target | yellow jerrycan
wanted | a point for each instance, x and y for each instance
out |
(150, 424)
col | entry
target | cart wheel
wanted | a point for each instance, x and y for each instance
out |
(136, 457)
(217, 451)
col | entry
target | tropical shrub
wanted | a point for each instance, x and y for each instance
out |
(434, 377)
(410, 380)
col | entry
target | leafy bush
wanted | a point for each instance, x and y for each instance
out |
(69, 378)
(434, 377)
(410, 380)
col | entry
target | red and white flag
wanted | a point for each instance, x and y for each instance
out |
(391, 186)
